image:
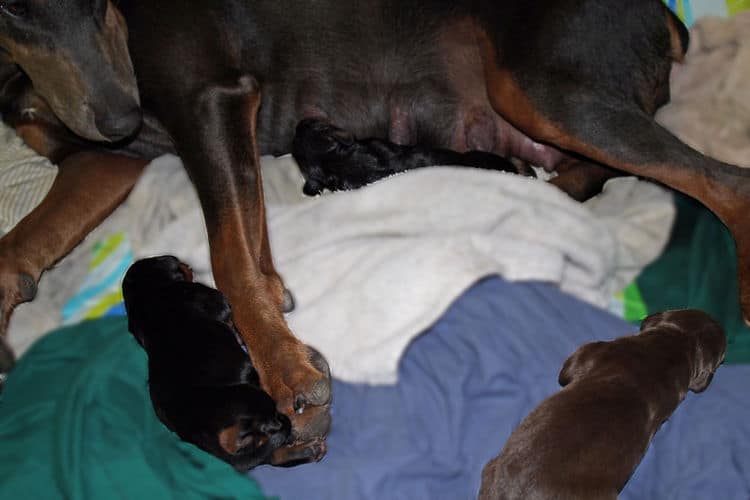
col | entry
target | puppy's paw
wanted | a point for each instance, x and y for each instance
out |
(296, 454)
(254, 433)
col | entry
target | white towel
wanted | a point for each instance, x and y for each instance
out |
(372, 268)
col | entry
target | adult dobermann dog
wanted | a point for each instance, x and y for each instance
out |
(203, 386)
(585, 441)
(567, 84)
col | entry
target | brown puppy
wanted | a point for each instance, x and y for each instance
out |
(585, 441)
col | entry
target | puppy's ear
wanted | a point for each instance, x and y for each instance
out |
(653, 320)
(233, 438)
(700, 382)
(710, 349)
(580, 363)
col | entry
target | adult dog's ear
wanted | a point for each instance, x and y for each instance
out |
(580, 362)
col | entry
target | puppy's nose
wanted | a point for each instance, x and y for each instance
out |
(120, 126)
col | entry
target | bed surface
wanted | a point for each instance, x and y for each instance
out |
(468, 381)
(463, 386)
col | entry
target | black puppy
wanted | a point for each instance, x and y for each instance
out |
(202, 384)
(332, 158)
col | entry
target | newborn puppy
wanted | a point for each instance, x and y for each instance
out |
(203, 385)
(332, 158)
(585, 441)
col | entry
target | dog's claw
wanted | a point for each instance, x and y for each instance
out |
(320, 393)
(321, 390)
(7, 361)
(288, 303)
(313, 424)
(27, 287)
(299, 404)
(15, 288)
(311, 418)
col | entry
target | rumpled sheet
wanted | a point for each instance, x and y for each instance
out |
(76, 423)
(710, 107)
(463, 387)
(25, 177)
(370, 269)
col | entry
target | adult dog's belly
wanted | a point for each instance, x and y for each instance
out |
(424, 85)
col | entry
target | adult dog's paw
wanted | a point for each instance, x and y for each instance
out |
(15, 288)
(300, 383)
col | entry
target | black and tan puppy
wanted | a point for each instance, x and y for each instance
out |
(584, 442)
(203, 385)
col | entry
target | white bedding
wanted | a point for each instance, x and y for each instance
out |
(370, 269)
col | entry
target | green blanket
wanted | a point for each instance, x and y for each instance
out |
(76, 422)
(699, 269)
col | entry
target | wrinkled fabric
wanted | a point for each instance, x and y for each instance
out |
(467, 382)
(698, 269)
(710, 106)
(76, 423)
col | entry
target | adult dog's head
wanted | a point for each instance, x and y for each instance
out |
(75, 53)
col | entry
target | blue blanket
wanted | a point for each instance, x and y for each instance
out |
(466, 383)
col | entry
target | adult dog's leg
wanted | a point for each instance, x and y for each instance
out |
(88, 187)
(603, 110)
(582, 179)
(215, 135)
